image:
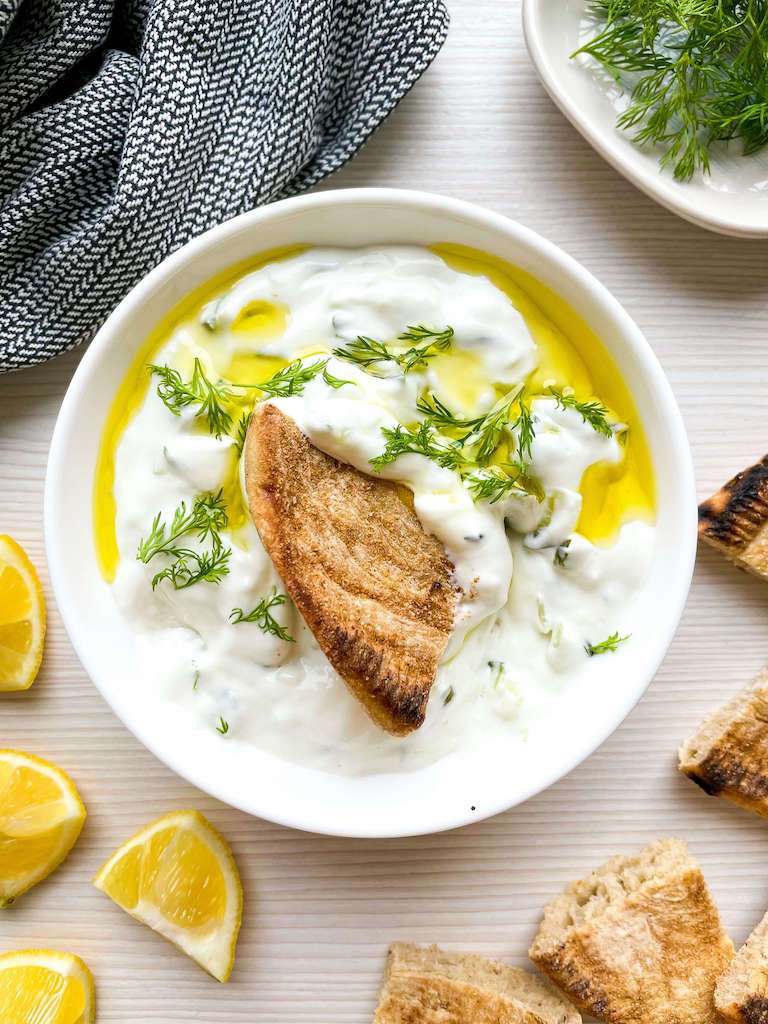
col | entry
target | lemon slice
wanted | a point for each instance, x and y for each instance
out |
(41, 816)
(38, 986)
(179, 877)
(22, 618)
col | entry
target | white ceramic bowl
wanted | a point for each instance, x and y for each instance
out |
(456, 790)
(732, 200)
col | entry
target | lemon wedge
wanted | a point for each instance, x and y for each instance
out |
(41, 816)
(178, 876)
(38, 986)
(22, 618)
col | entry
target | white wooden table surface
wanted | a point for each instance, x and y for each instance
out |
(320, 912)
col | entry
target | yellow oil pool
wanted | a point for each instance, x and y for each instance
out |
(570, 354)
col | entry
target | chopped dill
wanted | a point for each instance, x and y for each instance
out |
(592, 412)
(334, 382)
(242, 431)
(292, 379)
(611, 643)
(223, 726)
(427, 343)
(421, 440)
(492, 484)
(211, 399)
(206, 518)
(262, 616)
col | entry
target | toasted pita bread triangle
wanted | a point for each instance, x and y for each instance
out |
(639, 941)
(471, 987)
(735, 519)
(374, 588)
(728, 755)
(741, 994)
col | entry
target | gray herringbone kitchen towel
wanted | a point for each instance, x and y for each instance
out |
(129, 126)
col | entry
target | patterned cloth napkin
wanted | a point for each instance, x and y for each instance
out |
(129, 126)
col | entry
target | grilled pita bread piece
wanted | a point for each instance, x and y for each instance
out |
(637, 942)
(728, 756)
(424, 985)
(535, 995)
(374, 588)
(735, 520)
(741, 994)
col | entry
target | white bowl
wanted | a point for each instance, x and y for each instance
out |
(458, 789)
(732, 200)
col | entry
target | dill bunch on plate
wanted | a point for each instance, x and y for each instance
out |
(697, 71)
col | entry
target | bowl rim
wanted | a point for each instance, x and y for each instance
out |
(651, 182)
(319, 820)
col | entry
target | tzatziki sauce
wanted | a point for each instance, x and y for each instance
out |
(540, 601)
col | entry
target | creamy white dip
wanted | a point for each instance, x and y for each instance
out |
(526, 616)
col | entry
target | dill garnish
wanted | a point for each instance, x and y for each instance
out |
(334, 382)
(421, 440)
(427, 343)
(696, 70)
(492, 484)
(592, 412)
(611, 643)
(215, 401)
(223, 726)
(525, 432)
(263, 617)
(190, 566)
(242, 431)
(469, 453)
(206, 518)
(210, 399)
(483, 432)
(290, 380)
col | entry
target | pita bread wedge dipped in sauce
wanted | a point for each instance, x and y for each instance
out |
(376, 591)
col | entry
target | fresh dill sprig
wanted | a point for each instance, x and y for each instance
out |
(482, 432)
(592, 412)
(334, 382)
(263, 617)
(492, 484)
(421, 440)
(696, 70)
(427, 343)
(223, 726)
(470, 453)
(214, 401)
(611, 643)
(525, 431)
(450, 693)
(211, 399)
(433, 409)
(206, 518)
(436, 341)
(364, 351)
(292, 379)
(242, 431)
(190, 567)
(487, 436)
